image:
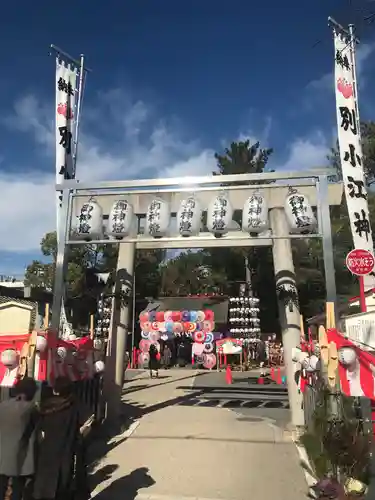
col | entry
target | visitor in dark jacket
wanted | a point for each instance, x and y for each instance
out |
(154, 360)
(17, 450)
(59, 436)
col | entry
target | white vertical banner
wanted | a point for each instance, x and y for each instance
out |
(351, 157)
(66, 98)
(65, 119)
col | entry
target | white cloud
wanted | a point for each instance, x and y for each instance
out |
(307, 153)
(142, 147)
(326, 82)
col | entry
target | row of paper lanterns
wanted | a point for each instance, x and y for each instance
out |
(89, 223)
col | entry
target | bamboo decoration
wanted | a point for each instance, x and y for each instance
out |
(330, 315)
(46, 316)
(91, 326)
(303, 337)
(323, 346)
(31, 353)
(333, 364)
(22, 366)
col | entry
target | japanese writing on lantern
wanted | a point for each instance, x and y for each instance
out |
(64, 86)
(218, 225)
(84, 217)
(154, 228)
(185, 225)
(299, 210)
(342, 60)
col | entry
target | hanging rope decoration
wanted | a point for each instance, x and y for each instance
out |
(287, 293)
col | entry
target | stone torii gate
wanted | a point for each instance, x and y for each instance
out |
(313, 183)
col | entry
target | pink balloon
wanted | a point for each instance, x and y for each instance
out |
(144, 345)
(209, 360)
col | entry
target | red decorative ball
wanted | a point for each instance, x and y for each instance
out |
(176, 316)
(160, 316)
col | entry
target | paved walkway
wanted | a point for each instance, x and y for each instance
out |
(175, 451)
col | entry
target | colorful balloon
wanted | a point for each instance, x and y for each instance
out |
(143, 317)
(209, 361)
(209, 337)
(200, 316)
(168, 316)
(159, 316)
(146, 327)
(176, 315)
(207, 346)
(193, 316)
(169, 325)
(178, 327)
(185, 315)
(208, 314)
(144, 345)
(199, 337)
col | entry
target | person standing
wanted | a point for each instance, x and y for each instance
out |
(16, 442)
(153, 363)
(167, 356)
(261, 351)
(60, 447)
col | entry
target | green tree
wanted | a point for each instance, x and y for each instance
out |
(190, 273)
(243, 158)
(368, 150)
(240, 264)
(84, 262)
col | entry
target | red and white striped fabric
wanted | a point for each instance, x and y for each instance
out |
(48, 365)
(358, 379)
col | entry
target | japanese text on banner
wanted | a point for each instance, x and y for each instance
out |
(351, 149)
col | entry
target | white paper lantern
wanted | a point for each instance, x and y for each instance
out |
(299, 213)
(347, 356)
(219, 215)
(41, 343)
(189, 217)
(98, 344)
(157, 218)
(255, 214)
(89, 224)
(120, 219)
(9, 358)
(99, 366)
(61, 352)
(313, 365)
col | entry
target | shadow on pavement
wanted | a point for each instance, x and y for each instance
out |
(127, 487)
(142, 387)
(101, 475)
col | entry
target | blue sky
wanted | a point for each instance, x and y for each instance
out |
(172, 83)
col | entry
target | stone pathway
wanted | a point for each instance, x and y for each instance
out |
(176, 451)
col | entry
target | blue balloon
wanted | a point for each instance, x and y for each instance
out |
(169, 326)
(193, 316)
(152, 316)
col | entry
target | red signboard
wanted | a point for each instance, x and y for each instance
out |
(360, 262)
